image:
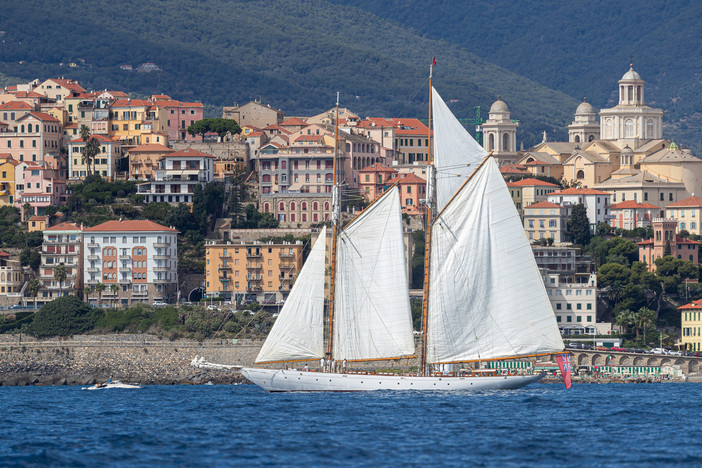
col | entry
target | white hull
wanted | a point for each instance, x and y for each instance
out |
(276, 380)
(115, 384)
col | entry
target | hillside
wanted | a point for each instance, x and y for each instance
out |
(293, 55)
(579, 48)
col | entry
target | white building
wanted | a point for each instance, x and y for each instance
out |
(139, 257)
(575, 304)
(596, 203)
(62, 245)
(500, 133)
(177, 175)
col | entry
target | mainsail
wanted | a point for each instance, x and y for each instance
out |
(298, 332)
(487, 299)
(372, 318)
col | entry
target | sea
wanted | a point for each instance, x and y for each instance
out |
(619, 425)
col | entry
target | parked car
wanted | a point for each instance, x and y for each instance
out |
(620, 350)
(212, 307)
(159, 304)
(658, 351)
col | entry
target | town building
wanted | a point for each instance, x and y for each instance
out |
(35, 135)
(42, 186)
(104, 164)
(253, 113)
(596, 203)
(137, 260)
(664, 237)
(373, 180)
(178, 174)
(515, 191)
(575, 305)
(261, 272)
(57, 89)
(534, 190)
(687, 212)
(412, 190)
(691, 326)
(62, 245)
(179, 116)
(631, 214)
(585, 127)
(544, 220)
(138, 122)
(37, 223)
(12, 277)
(7, 179)
(144, 160)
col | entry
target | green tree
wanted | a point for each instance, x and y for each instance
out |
(579, 225)
(645, 318)
(667, 252)
(33, 288)
(115, 289)
(87, 291)
(60, 275)
(220, 126)
(90, 151)
(625, 318)
(64, 316)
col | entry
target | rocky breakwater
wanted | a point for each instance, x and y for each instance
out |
(144, 359)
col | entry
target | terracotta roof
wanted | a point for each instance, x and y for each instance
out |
(38, 218)
(16, 105)
(692, 305)
(530, 181)
(406, 178)
(294, 121)
(188, 152)
(69, 84)
(132, 103)
(102, 138)
(278, 127)
(28, 94)
(41, 116)
(64, 227)
(377, 167)
(579, 191)
(631, 204)
(689, 201)
(254, 134)
(129, 226)
(309, 138)
(678, 240)
(543, 204)
(150, 148)
(514, 169)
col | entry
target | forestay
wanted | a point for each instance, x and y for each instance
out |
(299, 329)
(372, 318)
(456, 153)
(487, 298)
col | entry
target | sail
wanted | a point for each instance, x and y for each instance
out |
(456, 153)
(487, 299)
(298, 332)
(372, 318)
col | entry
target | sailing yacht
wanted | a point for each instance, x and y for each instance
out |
(484, 296)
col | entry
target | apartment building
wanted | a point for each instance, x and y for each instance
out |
(177, 176)
(256, 271)
(104, 164)
(575, 305)
(691, 326)
(62, 245)
(544, 220)
(136, 259)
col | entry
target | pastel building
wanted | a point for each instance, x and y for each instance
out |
(373, 180)
(687, 212)
(7, 180)
(632, 214)
(412, 190)
(140, 257)
(263, 272)
(177, 176)
(534, 190)
(62, 245)
(574, 304)
(35, 135)
(144, 160)
(596, 203)
(691, 326)
(663, 235)
(179, 116)
(104, 164)
(12, 276)
(42, 187)
(545, 220)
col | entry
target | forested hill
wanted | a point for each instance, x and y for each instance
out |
(292, 54)
(580, 48)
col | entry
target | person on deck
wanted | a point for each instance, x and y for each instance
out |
(321, 364)
(343, 367)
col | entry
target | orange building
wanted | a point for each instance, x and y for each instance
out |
(262, 272)
(412, 189)
(143, 160)
(663, 235)
(373, 180)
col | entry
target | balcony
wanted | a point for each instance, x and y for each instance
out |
(162, 245)
(255, 278)
(162, 257)
(225, 268)
(253, 254)
(93, 269)
(225, 254)
(125, 268)
(140, 293)
(286, 266)
(93, 257)
(254, 266)
(162, 268)
(93, 246)
(287, 254)
(224, 279)
(162, 281)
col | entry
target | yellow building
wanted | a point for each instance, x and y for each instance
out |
(7, 179)
(691, 325)
(515, 192)
(137, 122)
(261, 272)
(687, 212)
(37, 223)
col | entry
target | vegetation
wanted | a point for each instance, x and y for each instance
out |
(64, 316)
(220, 126)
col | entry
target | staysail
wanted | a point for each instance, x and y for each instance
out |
(299, 329)
(487, 299)
(372, 318)
(456, 153)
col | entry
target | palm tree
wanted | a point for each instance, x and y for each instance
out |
(99, 288)
(626, 318)
(60, 275)
(645, 318)
(33, 288)
(114, 288)
(87, 291)
(92, 149)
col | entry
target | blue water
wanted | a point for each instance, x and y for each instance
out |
(588, 425)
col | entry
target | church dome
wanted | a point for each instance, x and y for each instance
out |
(627, 150)
(631, 75)
(584, 109)
(499, 107)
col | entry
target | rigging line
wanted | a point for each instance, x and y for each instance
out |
(413, 96)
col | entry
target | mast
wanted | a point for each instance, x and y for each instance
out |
(431, 202)
(336, 210)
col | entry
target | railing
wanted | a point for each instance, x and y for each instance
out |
(161, 257)
(162, 268)
(254, 266)
(162, 245)
(91, 245)
(287, 255)
(125, 268)
(93, 257)
(254, 254)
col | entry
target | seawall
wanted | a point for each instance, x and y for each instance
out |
(145, 359)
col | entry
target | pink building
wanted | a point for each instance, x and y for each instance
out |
(374, 180)
(412, 189)
(42, 187)
(180, 115)
(663, 235)
(35, 135)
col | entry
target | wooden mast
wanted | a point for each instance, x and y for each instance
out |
(427, 242)
(336, 205)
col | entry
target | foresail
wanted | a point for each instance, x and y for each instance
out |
(456, 153)
(487, 299)
(298, 331)
(372, 318)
